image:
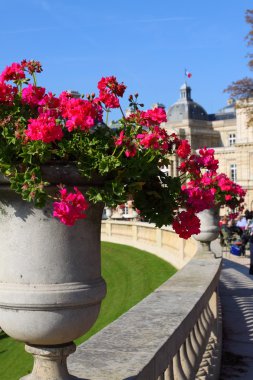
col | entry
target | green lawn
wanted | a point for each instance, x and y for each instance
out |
(130, 275)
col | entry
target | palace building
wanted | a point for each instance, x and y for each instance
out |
(228, 131)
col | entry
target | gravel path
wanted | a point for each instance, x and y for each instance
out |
(236, 291)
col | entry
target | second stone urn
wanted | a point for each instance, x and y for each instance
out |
(209, 228)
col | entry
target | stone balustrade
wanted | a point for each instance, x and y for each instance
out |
(173, 334)
(162, 242)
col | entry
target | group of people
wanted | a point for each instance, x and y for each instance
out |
(238, 231)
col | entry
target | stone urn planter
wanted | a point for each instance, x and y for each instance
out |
(209, 228)
(50, 276)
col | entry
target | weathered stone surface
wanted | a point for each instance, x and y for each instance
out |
(50, 362)
(140, 342)
(50, 274)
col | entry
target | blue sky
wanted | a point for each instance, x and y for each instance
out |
(146, 44)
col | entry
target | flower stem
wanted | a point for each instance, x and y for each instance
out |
(34, 79)
(121, 110)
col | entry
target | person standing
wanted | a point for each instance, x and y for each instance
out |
(242, 222)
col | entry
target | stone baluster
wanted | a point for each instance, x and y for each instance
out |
(204, 329)
(191, 350)
(196, 343)
(200, 334)
(215, 339)
(169, 373)
(177, 367)
(185, 361)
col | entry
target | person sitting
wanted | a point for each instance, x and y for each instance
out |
(228, 232)
(234, 228)
(224, 232)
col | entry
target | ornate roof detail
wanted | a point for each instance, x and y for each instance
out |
(186, 108)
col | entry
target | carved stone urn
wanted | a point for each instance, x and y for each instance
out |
(50, 276)
(209, 228)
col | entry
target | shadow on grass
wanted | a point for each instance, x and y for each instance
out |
(3, 335)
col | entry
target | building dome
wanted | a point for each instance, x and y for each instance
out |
(225, 113)
(229, 108)
(186, 108)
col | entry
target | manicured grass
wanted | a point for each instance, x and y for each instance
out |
(130, 275)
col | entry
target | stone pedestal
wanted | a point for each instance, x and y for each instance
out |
(50, 362)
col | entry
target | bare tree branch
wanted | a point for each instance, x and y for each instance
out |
(240, 89)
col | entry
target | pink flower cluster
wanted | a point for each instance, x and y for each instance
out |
(16, 71)
(72, 206)
(7, 93)
(152, 136)
(148, 118)
(152, 117)
(109, 91)
(47, 126)
(79, 113)
(206, 188)
(183, 149)
(195, 163)
(13, 72)
(52, 118)
(31, 66)
(32, 95)
(130, 146)
(186, 224)
(44, 128)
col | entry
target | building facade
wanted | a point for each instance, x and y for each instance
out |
(228, 131)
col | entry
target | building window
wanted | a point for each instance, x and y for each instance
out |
(232, 139)
(233, 172)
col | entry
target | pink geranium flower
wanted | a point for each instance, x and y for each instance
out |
(109, 91)
(44, 128)
(31, 66)
(79, 113)
(149, 118)
(49, 104)
(13, 72)
(32, 95)
(71, 207)
(7, 93)
(186, 224)
(184, 149)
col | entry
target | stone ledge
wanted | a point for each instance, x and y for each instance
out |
(139, 344)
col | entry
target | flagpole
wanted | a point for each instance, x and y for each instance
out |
(187, 75)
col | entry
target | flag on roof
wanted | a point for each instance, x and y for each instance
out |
(188, 74)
